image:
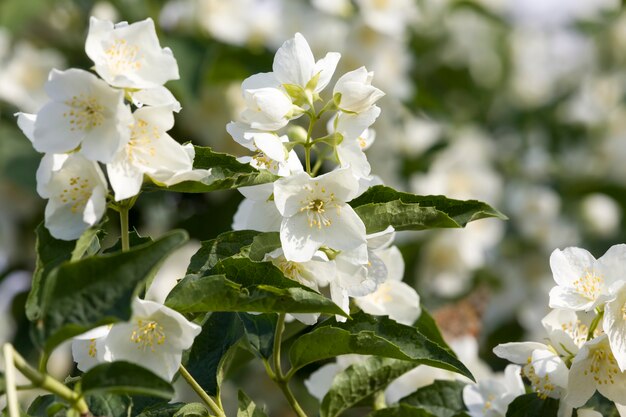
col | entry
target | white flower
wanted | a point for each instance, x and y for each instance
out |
(155, 338)
(583, 283)
(491, 397)
(595, 368)
(615, 326)
(294, 65)
(568, 330)
(354, 91)
(267, 106)
(258, 140)
(84, 112)
(149, 151)
(315, 214)
(76, 191)
(88, 348)
(390, 17)
(129, 56)
(545, 370)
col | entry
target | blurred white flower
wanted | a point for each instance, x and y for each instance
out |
(390, 17)
(129, 56)
(615, 325)
(602, 214)
(76, 191)
(335, 7)
(12, 284)
(491, 397)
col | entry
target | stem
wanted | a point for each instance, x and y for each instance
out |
(379, 400)
(277, 375)
(307, 159)
(47, 383)
(124, 227)
(201, 393)
(594, 324)
(307, 145)
(9, 374)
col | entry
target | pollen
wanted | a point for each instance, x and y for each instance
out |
(84, 113)
(543, 386)
(589, 285)
(76, 192)
(602, 366)
(92, 348)
(123, 57)
(142, 137)
(148, 335)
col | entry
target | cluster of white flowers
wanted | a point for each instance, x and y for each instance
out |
(323, 241)
(585, 348)
(155, 338)
(90, 120)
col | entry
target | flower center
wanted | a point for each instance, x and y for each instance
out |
(541, 385)
(147, 334)
(589, 285)
(623, 310)
(603, 366)
(383, 294)
(92, 348)
(77, 193)
(489, 402)
(290, 269)
(142, 137)
(84, 113)
(123, 57)
(577, 331)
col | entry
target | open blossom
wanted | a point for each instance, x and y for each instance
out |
(354, 91)
(129, 56)
(595, 368)
(315, 213)
(615, 326)
(76, 191)
(256, 140)
(84, 111)
(88, 348)
(583, 283)
(267, 106)
(491, 397)
(149, 151)
(155, 338)
(295, 66)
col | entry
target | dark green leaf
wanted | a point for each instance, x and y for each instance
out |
(426, 325)
(161, 410)
(2, 384)
(88, 244)
(442, 398)
(263, 244)
(45, 406)
(125, 378)
(602, 405)
(530, 405)
(109, 405)
(260, 329)
(359, 381)
(402, 410)
(80, 295)
(192, 410)
(370, 335)
(207, 356)
(214, 250)
(226, 173)
(247, 408)
(380, 207)
(239, 284)
(134, 239)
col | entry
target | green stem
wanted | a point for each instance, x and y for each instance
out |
(379, 400)
(594, 324)
(124, 227)
(201, 393)
(46, 382)
(9, 375)
(307, 145)
(307, 159)
(277, 375)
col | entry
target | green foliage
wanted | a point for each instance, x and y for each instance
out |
(239, 284)
(441, 398)
(530, 405)
(192, 410)
(161, 410)
(369, 335)
(109, 404)
(247, 408)
(224, 246)
(45, 406)
(360, 381)
(260, 330)
(380, 207)
(602, 405)
(402, 410)
(226, 173)
(78, 296)
(426, 325)
(125, 378)
(2, 384)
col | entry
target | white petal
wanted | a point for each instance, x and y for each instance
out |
(126, 179)
(517, 352)
(298, 239)
(294, 62)
(318, 383)
(570, 264)
(326, 68)
(26, 123)
(615, 327)
(257, 215)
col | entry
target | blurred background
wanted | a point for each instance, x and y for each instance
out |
(518, 103)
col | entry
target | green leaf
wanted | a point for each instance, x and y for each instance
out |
(2, 384)
(238, 284)
(263, 244)
(226, 173)
(109, 405)
(208, 355)
(530, 405)
(372, 335)
(402, 410)
(260, 329)
(380, 207)
(45, 406)
(50, 253)
(602, 405)
(441, 398)
(88, 244)
(125, 378)
(161, 410)
(426, 325)
(360, 381)
(225, 245)
(78, 296)
(247, 408)
(192, 410)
